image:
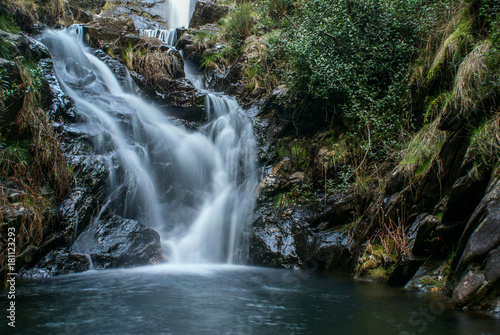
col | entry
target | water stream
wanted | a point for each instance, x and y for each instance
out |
(195, 188)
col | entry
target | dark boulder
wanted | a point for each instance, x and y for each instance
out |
(430, 276)
(58, 262)
(404, 271)
(426, 242)
(281, 238)
(117, 242)
(207, 12)
(332, 253)
(474, 277)
(105, 31)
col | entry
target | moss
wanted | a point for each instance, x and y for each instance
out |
(484, 147)
(452, 49)
(377, 263)
(435, 106)
(422, 148)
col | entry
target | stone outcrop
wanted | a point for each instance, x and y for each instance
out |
(150, 14)
(116, 242)
(207, 12)
(58, 262)
(475, 272)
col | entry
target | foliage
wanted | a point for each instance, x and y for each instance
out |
(204, 39)
(8, 24)
(422, 148)
(353, 58)
(238, 25)
(485, 142)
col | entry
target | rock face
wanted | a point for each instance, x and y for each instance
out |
(145, 14)
(58, 262)
(105, 31)
(475, 273)
(207, 12)
(156, 68)
(117, 242)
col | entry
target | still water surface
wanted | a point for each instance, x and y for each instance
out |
(223, 299)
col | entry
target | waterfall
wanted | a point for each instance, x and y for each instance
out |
(195, 188)
(179, 15)
(167, 36)
(180, 12)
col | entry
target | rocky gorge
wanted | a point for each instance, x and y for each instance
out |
(431, 226)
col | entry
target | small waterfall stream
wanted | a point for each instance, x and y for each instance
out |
(195, 188)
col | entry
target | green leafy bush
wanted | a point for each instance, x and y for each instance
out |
(354, 59)
(239, 24)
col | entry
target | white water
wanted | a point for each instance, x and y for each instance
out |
(167, 36)
(179, 15)
(180, 12)
(194, 188)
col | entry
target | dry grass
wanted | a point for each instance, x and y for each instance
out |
(49, 163)
(469, 87)
(443, 45)
(423, 147)
(31, 159)
(485, 142)
(156, 63)
(451, 50)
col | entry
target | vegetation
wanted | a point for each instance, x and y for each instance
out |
(33, 171)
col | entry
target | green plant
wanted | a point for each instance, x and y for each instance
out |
(239, 25)
(484, 145)
(8, 24)
(204, 39)
(422, 148)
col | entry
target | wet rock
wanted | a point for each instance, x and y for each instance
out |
(187, 45)
(431, 276)
(149, 14)
(117, 242)
(426, 243)
(55, 101)
(58, 262)
(105, 31)
(332, 253)
(443, 172)
(273, 180)
(281, 239)
(404, 271)
(207, 12)
(340, 209)
(474, 276)
(119, 69)
(396, 180)
(464, 197)
(180, 93)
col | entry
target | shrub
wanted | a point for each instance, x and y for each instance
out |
(353, 60)
(239, 24)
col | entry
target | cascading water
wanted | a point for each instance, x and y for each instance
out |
(180, 12)
(195, 188)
